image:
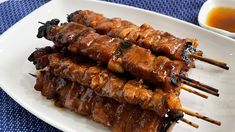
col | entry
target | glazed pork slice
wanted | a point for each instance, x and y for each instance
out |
(157, 41)
(121, 56)
(119, 117)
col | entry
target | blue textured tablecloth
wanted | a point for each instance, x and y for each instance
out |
(15, 118)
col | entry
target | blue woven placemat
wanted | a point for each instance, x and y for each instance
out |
(15, 118)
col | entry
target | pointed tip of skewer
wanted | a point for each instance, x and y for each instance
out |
(42, 23)
(33, 75)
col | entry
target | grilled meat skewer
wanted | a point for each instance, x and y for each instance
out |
(145, 36)
(119, 117)
(159, 101)
(120, 55)
(158, 41)
(40, 60)
(131, 91)
(106, 84)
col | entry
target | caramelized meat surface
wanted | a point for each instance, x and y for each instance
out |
(145, 36)
(120, 55)
(119, 117)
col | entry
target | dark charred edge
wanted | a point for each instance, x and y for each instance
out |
(173, 117)
(188, 48)
(42, 30)
(40, 57)
(166, 124)
(70, 16)
(174, 80)
(40, 52)
(123, 46)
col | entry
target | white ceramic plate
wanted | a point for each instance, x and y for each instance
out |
(19, 41)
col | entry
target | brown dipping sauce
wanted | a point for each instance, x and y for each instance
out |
(222, 17)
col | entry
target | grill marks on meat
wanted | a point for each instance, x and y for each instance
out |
(145, 36)
(106, 84)
(138, 61)
(117, 116)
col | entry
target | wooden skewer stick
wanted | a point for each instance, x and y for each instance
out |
(42, 23)
(210, 61)
(191, 113)
(200, 87)
(33, 75)
(197, 82)
(193, 91)
(189, 122)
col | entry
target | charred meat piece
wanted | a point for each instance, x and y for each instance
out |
(119, 117)
(107, 84)
(40, 57)
(159, 42)
(120, 55)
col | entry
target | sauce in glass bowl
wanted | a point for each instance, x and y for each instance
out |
(222, 17)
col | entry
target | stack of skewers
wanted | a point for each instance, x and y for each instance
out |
(124, 76)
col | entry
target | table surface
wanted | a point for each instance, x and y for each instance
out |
(13, 117)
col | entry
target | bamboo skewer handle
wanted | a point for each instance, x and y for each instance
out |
(189, 112)
(193, 91)
(197, 82)
(189, 123)
(200, 87)
(210, 61)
